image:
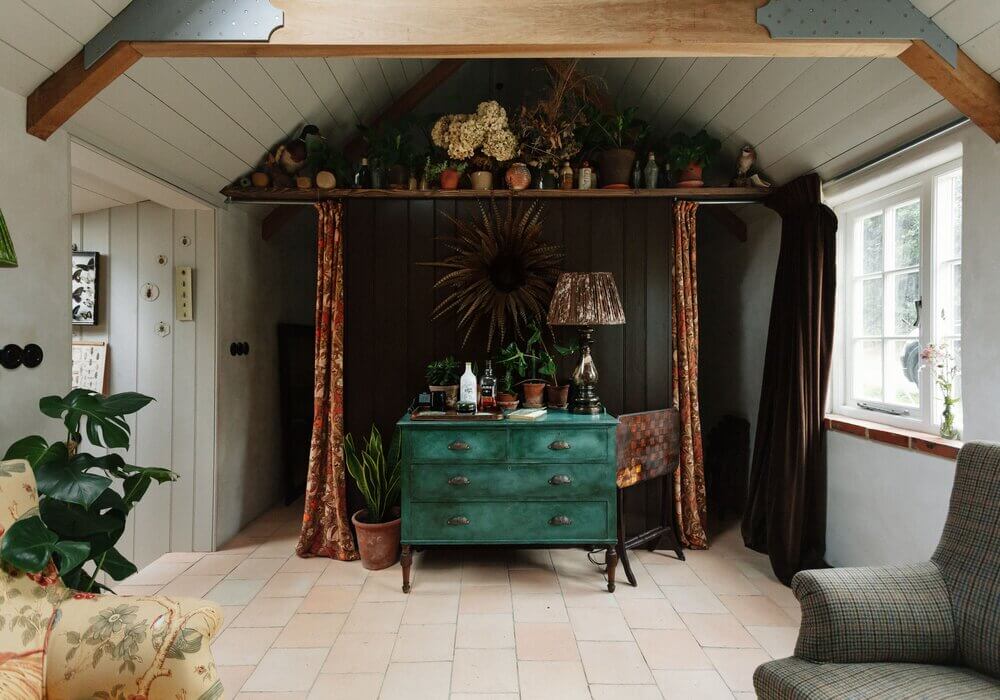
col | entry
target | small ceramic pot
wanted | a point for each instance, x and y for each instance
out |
(533, 394)
(325, 180)
(481, 180)
(259, 179)
(690, 176)
(507, 402)
(449, 179)
(557, 396)
(616, 167)
(303, 182)
(518, 176)
(378, 543)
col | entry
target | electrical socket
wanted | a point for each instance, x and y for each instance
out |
(184, 293)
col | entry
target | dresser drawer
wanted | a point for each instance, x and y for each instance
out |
(458, 445)
(560, 445)
(464, 523)
(484, 482)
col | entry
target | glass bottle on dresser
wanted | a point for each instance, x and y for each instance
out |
(487, 388)
(467, 386)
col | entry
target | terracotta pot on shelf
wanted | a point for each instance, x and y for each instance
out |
(481, 180)
(691, 176)
(303, 182)
(533, 392)
(518, 176)
(507, 402)
(557, 396)
(449, 179)
(260, 179)
(616, 167)
(378, 543)
(399, 177)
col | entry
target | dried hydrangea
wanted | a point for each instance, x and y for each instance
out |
(486, 130)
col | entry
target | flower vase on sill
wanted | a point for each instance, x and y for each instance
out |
(940, 360)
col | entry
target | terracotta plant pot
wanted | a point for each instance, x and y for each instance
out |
(450, 395)
(303, 182)
(260, 179)
(481, 180)
(557, 396)
(449, 179)
(533, 394)
(616, 167)
(690, 176)
(518, 176)
(507, 402)
(378, 543)
(399, 177)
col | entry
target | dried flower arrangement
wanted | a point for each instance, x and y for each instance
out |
(483, 137)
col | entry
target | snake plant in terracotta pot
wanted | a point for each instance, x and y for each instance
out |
(377, 475)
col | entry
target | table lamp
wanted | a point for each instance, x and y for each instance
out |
(585, 300)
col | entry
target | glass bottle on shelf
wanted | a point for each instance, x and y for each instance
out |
(566, 176)
(586, 176)
(363, 177)
(487, 388)
(636, 175)
(467, 386)
(652, 172)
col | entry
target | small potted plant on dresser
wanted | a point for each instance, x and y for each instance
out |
(513, 362)
(377, 474)
(442, 377)
(556, 394)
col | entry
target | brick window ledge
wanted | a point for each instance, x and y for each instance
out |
(897, 437)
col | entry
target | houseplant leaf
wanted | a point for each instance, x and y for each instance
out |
(71, 554)
(28, 544)
(115, 565)
(29, 448)
(67, 481)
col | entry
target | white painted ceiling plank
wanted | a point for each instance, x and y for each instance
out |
(255, 81)
(20, 73)
(81, 19)
(638, 81)
(414, 69)
(84, 201)
(33, 35)
(764, 87)
(93, 183)
(101, 125)
(289, 79)
(984, 48)
(612, 72)
(395, 76)
(964, 19)
(930, 7)
(726, 85)
(687, 92)
(174, 90)
(209, 77)
(670, 73)
(323, 82)
(374, 80)
(861, 88)
(135, 102)
(113, 7)
(353, 87)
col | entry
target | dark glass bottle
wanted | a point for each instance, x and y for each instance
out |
(636, 175)
(487, 388)
(363, 177)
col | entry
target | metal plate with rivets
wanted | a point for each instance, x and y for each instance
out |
(853, 19)
(186, 20)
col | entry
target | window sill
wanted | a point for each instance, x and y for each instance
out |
(897, 437)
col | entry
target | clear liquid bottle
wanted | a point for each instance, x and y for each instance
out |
(487, 388)
(636, 175)
(467, 386)
(652, 172)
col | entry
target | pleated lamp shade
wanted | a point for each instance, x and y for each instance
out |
(586, 299)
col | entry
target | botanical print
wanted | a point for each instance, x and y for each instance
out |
(689, 487)
(84, 288)
(326, 531)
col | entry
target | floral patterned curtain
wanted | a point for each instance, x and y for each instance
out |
(689, 486)
(326, 530)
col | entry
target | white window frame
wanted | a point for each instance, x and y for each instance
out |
(926, 418)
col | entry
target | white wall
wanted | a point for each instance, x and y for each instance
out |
(178, 370)
(885, 504)
(34, 297)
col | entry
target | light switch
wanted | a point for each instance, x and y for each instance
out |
(184, 293)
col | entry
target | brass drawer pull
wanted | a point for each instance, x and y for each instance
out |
(561, 520)
(559, 445)
(459, 481)
(459, 446)
(458, 520)
(561, 480)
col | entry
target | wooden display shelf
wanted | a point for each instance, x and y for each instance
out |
(694, 194)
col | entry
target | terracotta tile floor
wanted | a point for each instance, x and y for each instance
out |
(483, 624)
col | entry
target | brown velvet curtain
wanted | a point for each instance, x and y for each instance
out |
(786, 506)
(326, 530)
(689, 485)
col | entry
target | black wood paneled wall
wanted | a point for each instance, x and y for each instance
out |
(390, 337)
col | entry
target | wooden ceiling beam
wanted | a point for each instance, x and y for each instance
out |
(970, 89)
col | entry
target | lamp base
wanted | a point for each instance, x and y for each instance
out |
(585, 399)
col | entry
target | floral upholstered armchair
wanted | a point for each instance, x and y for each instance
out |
(59, 644)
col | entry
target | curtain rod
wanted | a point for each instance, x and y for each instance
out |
(304, 203)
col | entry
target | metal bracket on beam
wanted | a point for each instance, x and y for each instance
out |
(851, 19)
(186, 20)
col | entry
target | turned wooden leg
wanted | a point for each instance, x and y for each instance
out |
(406, 560)
(612, 558)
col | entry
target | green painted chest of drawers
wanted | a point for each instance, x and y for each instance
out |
(545, 482)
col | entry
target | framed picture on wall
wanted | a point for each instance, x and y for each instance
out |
(83, 283)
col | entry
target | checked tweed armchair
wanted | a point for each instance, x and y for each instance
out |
(929, 630)
(58, 644)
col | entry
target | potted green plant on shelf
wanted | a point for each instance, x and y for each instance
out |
(689, 155)
(442, 376)
(377, 475)
(614, 137)
(83, 500)
(390, 146)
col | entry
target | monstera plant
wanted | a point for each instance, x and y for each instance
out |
(84, 500)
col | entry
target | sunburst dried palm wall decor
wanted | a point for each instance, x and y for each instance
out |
(500, 271)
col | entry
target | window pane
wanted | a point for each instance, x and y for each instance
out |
(949, 215)
(907, 238)
(956, 298)
(906, 286)
(871, 311)
(871, 243)
(902, 364)
(868, 370)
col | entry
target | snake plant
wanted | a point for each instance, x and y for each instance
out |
(376, 473)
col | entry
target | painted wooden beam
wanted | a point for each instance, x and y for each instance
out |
(973, 91)
(67, 90)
